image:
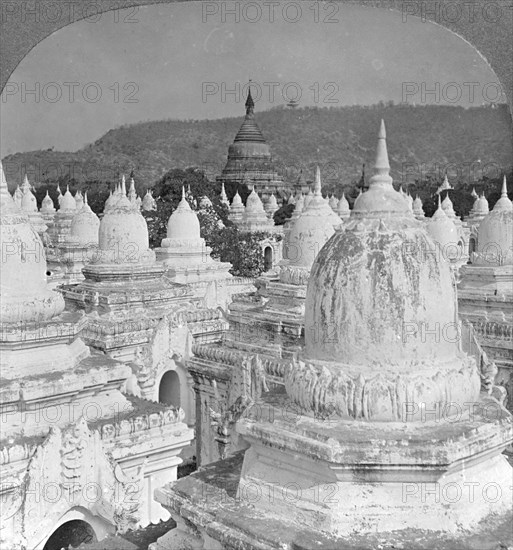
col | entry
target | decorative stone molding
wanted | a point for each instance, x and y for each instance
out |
(493, 330)
(246, 386)
(294, 275)
(329, 388)
(72, 463)
(272, 367)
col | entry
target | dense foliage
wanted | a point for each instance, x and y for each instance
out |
(283, 214)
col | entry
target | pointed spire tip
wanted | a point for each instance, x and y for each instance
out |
(382, 130)
(504, 192)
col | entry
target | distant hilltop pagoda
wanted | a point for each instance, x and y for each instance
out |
(250, 161)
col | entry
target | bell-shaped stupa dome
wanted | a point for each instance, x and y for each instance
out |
(123, 234)
(183, 223)
(371, 290)
(118, 194)
(271, 205)
(85, 225)
(24, 295)
(110, 202)
(148, 203)
(183, 245)
(236, 209)
(28, 200)
(299, 206)
(308, 234)
(320, 205)
(333, 202)
(481, 206)
(68, 203)
(254, 217)
(29, 207)
(254, 203)
(237, 201)
(79, 200)
(418, 210)
(495, 233)
(47, 206)
(479, 210)
(343, 209)
(448, 207)
(444, 233)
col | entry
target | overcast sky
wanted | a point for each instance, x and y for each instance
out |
(175, 61)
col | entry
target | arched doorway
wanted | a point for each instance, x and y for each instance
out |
(72, 533)
(169, 389)
(471, 246)
(268, 258)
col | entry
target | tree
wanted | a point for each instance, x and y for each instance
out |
(242, 250)
(283, 214)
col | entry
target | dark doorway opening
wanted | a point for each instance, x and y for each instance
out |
(471, 246)
(72, 533)
(169, 389)
(268, 258)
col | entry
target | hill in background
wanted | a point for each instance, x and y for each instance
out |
(421, 140)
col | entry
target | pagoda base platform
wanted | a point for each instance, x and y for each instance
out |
(209, 516)
(308, 483)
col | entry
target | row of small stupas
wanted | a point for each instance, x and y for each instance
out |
(348, 400)
(96, 402)
(25, 199)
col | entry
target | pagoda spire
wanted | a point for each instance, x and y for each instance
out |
(317, 184)
(250, 104)
(504, 191)
(361, 183)
(504, 203)
(25, 186)
(381, 175)
(132, 193)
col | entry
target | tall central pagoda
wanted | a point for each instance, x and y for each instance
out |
(250, 159)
